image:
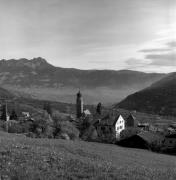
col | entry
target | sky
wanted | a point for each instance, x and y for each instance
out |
(91, 34)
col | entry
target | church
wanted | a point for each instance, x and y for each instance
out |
(80, 111)
(79, 105)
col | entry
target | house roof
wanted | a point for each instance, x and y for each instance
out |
(144, 117)
(87, 112)
(173, 126)
(131, 116)
(110, 118)
(171, 136)
(149, 136)
(139, 117)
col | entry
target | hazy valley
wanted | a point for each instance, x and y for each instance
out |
(39, 79)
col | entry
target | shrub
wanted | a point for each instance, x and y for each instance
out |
(15, 127)
(42, 125)
(31, 135)
(2, 126)
(66, 127)
(58, 116)
(42, 128)
(154, 147)
(84, 124)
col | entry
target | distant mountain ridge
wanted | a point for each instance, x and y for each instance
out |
(103, 85)
(159, 98)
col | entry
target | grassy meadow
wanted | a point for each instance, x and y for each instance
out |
(23, 158)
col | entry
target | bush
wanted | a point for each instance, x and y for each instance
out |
(154, 147)
(42, 127)
(58, 116)
(31, 135)
(2, 125)
(15, 127)
(84, 124)
(66, 127)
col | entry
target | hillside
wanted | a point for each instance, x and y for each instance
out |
(5, 94)
(33, 105)
(42, 80)
(45, 159)
(159, 98)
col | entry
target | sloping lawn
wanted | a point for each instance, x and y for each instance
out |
(24, 158)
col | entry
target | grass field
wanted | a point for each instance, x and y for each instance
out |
(24, 158)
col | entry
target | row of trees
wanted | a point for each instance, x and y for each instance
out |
(44, 126)
(13, 115)
(48, 123)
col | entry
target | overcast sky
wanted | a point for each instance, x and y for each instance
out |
(91, 34)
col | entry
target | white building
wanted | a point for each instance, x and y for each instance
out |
(26, 114)
(110, 127)
(119, 125)
(86, 112)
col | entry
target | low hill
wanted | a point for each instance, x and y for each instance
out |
(44, 81)
(19, 103)
(59, 106)
(46, 159)
(159, 98)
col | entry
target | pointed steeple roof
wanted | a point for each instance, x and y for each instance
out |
(79, 93)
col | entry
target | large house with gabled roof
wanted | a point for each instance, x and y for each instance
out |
(110, 126)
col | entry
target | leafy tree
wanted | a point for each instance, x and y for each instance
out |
(47, 108)
(13, 115)
(65, 127)
(4, 113)
(99, 108)
(42, 126)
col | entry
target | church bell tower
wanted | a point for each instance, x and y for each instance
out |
(79, 105)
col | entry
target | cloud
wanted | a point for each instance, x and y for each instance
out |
(172, 44)
(134, 62)
(165, 55)
(155, 50)
(151, 65)
(167, 59)
(169, 46)
(83, 34)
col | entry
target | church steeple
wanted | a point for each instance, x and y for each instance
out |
(79, 105)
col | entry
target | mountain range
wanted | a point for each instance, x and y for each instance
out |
(159, 98)
(41, 80)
